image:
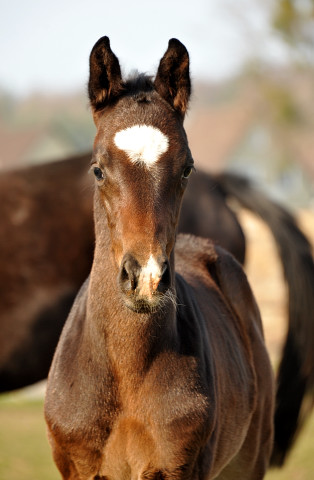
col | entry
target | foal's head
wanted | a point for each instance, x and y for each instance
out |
(141, 161)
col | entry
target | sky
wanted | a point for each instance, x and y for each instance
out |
(45, 45)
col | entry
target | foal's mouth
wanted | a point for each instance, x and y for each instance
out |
(157, 302)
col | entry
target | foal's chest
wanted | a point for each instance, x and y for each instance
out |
(156, 431)
(158, 436)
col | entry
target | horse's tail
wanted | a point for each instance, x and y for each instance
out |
(295, 379)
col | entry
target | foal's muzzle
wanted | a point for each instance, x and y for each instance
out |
(144, 286)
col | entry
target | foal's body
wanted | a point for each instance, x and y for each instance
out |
(165, 396)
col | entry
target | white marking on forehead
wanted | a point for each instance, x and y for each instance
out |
(142, 143)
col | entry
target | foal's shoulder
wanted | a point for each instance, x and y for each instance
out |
(204, 259)
(78, 309)
(194, 255)
(195, 252)
(73, 327)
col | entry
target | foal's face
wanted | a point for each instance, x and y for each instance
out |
(141, 163)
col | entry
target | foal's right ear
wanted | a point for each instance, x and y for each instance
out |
(105, 81)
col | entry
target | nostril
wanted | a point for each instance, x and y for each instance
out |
(165, 278)
(124, 274)
(125, 279)
(129, 274)
(133, 280)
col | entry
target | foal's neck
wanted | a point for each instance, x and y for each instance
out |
(131, 339)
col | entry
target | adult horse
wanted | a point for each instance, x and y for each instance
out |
(46, 250)
(162, 354)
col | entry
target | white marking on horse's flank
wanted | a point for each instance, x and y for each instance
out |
(142, 143)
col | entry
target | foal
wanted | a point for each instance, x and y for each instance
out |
(161, 371)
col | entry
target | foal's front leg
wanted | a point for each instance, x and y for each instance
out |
(68, 469)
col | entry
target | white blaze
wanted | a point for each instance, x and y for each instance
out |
(142, 143)
(150, 276)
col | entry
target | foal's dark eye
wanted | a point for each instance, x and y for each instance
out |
(98, 173)
(187, 172)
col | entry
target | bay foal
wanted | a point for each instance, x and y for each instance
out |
(161, 371)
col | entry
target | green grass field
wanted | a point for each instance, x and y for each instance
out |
(24, 449)
(25, 453)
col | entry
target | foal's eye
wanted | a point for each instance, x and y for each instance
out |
(98, 173)
(187, 172)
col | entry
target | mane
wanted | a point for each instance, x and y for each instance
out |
(138, 85)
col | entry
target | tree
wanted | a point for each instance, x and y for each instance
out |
(294, 21)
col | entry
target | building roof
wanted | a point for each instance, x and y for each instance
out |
(14, 145)
(215, 133)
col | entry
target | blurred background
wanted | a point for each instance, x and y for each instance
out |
(252, 65)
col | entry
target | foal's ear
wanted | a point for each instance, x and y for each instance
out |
(173, 77)
(105, 81)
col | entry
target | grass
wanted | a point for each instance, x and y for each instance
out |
(300, 463)
(24, 450)
(25, 453)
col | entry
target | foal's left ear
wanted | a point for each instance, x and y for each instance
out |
(173, 77)
(105, 81)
